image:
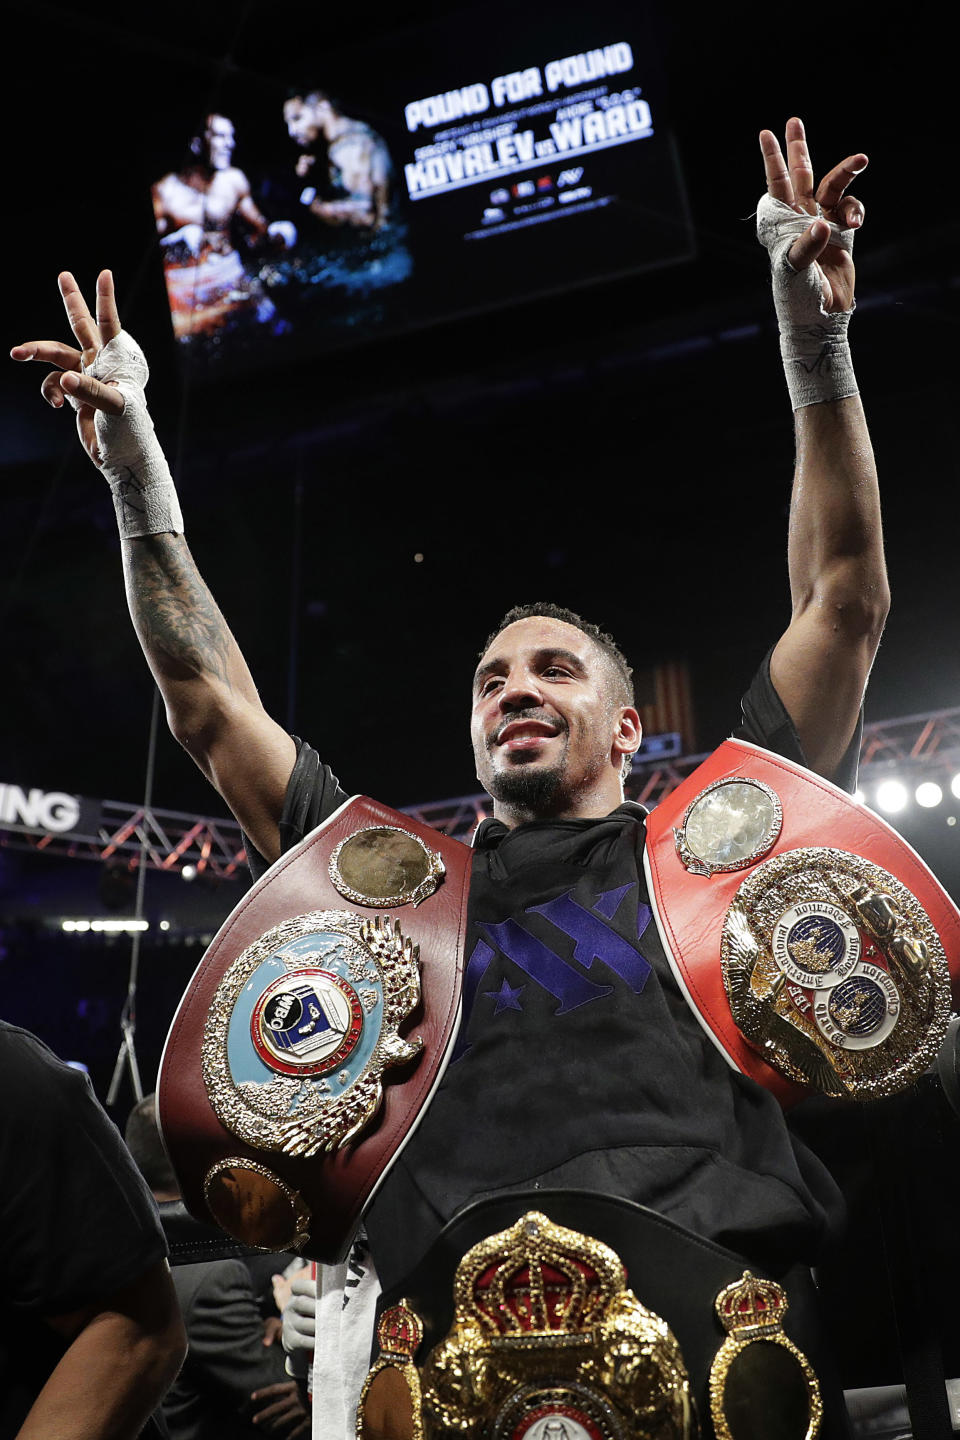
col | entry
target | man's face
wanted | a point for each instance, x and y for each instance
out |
(220, 140)
(302, 121)
(544, 716)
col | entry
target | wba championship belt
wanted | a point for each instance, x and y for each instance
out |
(315, 1030)
(548, 1343)
(589, 1318)
(811, 941)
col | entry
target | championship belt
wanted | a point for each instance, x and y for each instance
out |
(589, 1318)
(810, 940)
(315, 1030)
(548, 1343)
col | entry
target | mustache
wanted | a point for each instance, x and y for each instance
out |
(542, 717)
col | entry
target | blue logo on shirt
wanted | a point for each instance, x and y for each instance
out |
(593, 937)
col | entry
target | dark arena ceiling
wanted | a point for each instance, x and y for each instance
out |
(623, 447)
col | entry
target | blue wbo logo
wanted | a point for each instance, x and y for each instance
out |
(272, 1027)
(307, 1022)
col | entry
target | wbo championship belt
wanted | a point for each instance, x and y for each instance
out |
(809, 964)
(315, 1030)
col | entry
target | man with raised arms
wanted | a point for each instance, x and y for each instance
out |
(568, 1073)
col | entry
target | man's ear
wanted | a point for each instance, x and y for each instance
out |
(629, 732)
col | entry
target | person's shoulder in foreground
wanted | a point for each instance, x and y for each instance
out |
(90, 1327)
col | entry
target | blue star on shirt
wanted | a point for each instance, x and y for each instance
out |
(506, 997)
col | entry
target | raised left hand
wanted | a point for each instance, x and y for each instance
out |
(69, 382)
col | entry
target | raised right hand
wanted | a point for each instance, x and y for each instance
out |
(67, 383)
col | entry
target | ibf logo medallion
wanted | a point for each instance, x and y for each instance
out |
(816, 944)
(307, 1023)
(859, 1012)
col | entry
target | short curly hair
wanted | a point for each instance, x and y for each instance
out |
(142, 1138)
(605, 643)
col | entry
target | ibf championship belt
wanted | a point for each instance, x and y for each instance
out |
(315, 1030)
(811, 941)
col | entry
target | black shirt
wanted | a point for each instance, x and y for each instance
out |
(578, 1061)
(77, 1222)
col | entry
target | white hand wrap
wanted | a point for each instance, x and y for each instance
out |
(813, 342)
(144, 495)
(300, 1324)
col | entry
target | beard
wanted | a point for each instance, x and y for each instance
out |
(525, 785)
(532, 789)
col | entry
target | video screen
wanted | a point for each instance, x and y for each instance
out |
(454, 168)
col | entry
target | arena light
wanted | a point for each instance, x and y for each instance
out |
(955, 786)
(928, 794)
(892, 797)
(108, 927)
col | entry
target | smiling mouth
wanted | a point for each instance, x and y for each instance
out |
(524, 734)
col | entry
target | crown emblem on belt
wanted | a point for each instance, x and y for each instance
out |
(750, 1306)
(399, 1332)
(751, 1311)
(537, 1281)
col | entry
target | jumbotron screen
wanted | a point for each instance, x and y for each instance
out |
(458, 167)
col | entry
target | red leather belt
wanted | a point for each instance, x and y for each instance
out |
(809, 938)
(315, 1030)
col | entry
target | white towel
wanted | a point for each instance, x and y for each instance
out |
(346, 1311)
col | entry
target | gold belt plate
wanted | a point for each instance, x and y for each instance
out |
(835, 973)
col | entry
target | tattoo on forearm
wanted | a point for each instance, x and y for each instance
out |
(178, 622)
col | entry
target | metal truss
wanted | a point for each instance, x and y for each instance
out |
(167, 839)
(929, 741)
(911, 746)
